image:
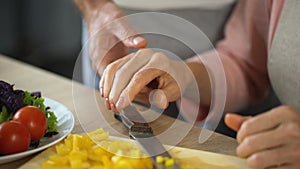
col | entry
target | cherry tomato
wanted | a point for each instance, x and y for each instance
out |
(33, 118)
(14, 137)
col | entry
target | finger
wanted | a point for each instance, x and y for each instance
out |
(159, 98)
(157, 67)
(125, 72)
(280, 156)
(261, 141)
(264, 122)
(288, 166)
(142, 98)
(170, 91)
(113, 108)
(107, 104)
(109, 75)
(137, 83)
(101, 84)
(106, 80)
(235, 121)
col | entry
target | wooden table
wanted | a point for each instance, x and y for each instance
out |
(85, 103)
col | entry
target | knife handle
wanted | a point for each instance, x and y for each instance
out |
(118, 117)
(124, 120)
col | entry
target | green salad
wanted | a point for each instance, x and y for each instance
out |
(12, 100)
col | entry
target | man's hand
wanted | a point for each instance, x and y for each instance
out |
(269, 140)
(110, 33)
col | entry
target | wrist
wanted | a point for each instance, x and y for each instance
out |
(199, 76)
(98, 13)
(182, 74)
(90, 7)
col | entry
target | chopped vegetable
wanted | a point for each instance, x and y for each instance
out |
(159, 159)
(96, 151)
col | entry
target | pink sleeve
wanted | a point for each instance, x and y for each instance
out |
(243, 53)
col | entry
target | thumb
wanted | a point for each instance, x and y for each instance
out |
(159, 98)
(136, 41)
(235, 121)
(123, 30)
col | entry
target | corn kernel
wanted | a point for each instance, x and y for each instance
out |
(48, 164)
(77, 142)
(115, 159)
(159, 159)
(63, 149)
(86, 165)
(100, 151)
(97, 167)
(62, 160)
(123, 164)
(82, 155)
(169, 162)
(76, 163)
(166, 158)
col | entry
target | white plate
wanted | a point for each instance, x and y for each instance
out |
(65, 125)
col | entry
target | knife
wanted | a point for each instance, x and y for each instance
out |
(140, 131)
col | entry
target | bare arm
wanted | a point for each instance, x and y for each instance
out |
(110, 33)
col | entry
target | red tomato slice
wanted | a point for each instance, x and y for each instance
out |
(14, 137)
(33, 118)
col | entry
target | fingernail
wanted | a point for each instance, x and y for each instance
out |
(101, 92)
(138, 40)
(107, 104)
(113, 107)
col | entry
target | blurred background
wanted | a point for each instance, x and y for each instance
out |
(45, 33)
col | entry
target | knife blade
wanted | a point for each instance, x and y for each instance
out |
(140, 131)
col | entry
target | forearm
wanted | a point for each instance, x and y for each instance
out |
(198, 76)
(86, 6)
(93, 10)
(235, 83)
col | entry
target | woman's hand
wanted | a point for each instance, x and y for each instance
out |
(131, 77)
(110, 33)
(269, 140)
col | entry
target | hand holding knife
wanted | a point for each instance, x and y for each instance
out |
(140, 131)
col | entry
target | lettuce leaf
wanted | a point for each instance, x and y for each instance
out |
(5, 115)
